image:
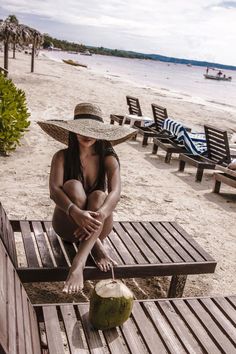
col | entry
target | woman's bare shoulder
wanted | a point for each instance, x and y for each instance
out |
(59, 155)
(111, 162)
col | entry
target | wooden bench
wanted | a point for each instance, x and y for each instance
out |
(218, 152)
(195, 325)
(141, 249)
(227, 176)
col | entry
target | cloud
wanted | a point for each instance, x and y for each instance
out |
(202, 29)
(226, 5)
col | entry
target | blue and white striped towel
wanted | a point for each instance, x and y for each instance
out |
(195, 143)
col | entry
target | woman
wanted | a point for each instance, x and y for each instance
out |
(79, 178)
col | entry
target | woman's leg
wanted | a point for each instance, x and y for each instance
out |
(62, 223)
(74, 282)
(99, 254)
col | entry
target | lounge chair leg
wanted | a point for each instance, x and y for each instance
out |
(154, 148)
(217, 187)
(181, 165)
(145, 141)
(199, 174)
(112, 120)
(177, 284)
(168, 157)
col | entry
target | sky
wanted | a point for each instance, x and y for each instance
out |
(191, 29)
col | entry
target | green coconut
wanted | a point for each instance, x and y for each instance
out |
(111, 304)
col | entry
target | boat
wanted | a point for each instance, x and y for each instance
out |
(87, 52)
(73, 62)
(217, 77)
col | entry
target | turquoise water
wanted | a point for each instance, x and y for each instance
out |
(186, 81)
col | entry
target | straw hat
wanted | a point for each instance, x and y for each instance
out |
(87, 122)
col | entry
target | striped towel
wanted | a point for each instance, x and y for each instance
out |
(195, 143)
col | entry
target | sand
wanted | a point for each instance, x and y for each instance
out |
(151, 189)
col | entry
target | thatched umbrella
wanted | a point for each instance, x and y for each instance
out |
(11, 32)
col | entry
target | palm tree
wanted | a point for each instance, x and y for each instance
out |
(13, 19)
(12, 32)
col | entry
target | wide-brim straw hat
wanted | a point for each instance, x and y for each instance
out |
(89, 123)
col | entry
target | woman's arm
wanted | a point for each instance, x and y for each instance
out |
(56, 181)
(114, 187)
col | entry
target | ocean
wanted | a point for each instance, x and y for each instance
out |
(184, 81)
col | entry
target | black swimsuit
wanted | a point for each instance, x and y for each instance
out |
(100, 183)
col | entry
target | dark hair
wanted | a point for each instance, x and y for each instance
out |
(73, 168)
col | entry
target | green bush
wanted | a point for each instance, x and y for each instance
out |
(13, 115)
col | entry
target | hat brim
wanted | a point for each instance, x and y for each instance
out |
(59, 130)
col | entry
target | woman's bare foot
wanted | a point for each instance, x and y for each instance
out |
(75, 280)
(103, 261)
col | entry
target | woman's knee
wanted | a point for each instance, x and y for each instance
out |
(96, 199)
(75, 191)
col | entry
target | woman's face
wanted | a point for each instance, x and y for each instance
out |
(85, 141)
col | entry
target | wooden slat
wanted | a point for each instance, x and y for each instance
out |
(112, 252)
(148, 332)
(176, 243)
(137, 239)
(28, 244)
(121, 248)
(226, 307)
(53, 331)
(7, 235)
(11, 273)
(69, 249)
(72, 329)
(165, 242)
(34, 331)
(194, 244)
(133, 105)
(195, 256)
(221, 322)
(93, 337)
(200, 332)
(179, 326)
(4, 335)
(19, 317)
(168, 335)
(133, 338)
(216, 333)
(114, 341)
(55, 245)
(147, 231)
(26, 323)
(42, 245)
(130, 244)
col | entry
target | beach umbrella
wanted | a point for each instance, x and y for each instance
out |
(13, 32)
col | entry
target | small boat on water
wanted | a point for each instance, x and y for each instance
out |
(87, 52)
(217, 77)
(73, 62)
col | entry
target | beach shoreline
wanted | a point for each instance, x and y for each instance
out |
(156, 191)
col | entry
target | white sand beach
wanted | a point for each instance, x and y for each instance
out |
(151, 189)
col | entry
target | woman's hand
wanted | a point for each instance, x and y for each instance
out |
(86, 220)
(83, 233)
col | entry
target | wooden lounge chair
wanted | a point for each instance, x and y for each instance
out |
(141, 249)
(196, 325)
(133, 108)
(227, 176)
(218, 152)
(156, 129)
(167, 141)
(3, 70)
